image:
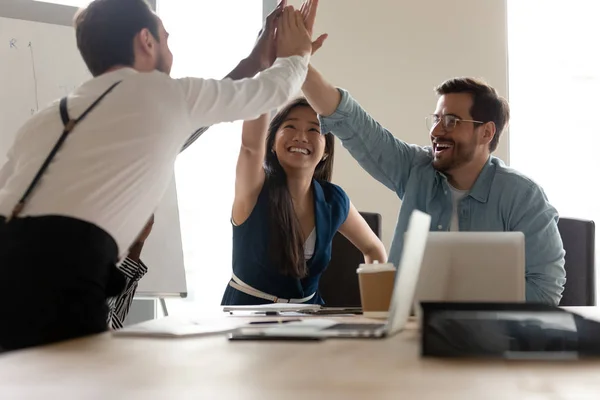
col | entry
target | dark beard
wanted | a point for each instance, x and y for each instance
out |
(462, 154)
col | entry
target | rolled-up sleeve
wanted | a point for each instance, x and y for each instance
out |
(545, 275)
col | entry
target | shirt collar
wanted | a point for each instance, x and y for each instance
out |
(483, 185)
(121, 72)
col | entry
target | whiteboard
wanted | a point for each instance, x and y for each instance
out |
(40, 63)
(163, 251)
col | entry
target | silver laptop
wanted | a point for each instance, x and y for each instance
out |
(473, 266)
(400, 306)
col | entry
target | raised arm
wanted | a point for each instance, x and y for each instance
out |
(358, 232)
(264, 52)
(387, 158)
(261, 57)
(213, 101)
(265, 49)
(246, 68)
(249, 174)
(323, 97)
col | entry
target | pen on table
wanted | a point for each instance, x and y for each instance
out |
(265, 313)
(278, 321)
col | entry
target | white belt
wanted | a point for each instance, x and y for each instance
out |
(238, 284)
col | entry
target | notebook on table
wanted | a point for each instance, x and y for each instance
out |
(173, 327)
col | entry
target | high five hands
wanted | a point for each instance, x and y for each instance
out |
(309, 14)
(287, 32)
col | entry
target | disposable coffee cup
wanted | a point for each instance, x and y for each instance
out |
(376, 283)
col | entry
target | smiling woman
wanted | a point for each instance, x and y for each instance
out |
(286, 211)
(296, 152)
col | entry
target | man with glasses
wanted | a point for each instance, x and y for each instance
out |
(456, 179)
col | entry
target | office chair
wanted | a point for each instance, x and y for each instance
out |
(578, 238)
(339, 283)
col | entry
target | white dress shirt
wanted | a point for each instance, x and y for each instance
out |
(115, 166)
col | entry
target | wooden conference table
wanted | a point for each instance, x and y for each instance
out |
(103, 367)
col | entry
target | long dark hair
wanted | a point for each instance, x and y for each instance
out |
(286, 247)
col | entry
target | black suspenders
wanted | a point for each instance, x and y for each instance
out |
(69, 124)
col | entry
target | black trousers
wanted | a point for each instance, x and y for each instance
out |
(55, 275)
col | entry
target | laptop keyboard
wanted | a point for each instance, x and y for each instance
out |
(355, 327)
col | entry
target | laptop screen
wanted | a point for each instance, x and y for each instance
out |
(407, 274)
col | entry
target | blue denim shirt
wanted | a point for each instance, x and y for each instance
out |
(501, 199)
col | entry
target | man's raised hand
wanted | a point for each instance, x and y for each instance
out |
(265, 50)
(292, 36)
(309, 14)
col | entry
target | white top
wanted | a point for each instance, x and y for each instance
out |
(115, 166)
(457, 196)
(309, 244)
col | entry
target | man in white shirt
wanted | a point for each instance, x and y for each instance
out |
(132, 267)
(60, 241)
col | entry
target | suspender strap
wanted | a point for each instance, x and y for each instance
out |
(69, 124)
(64, 114)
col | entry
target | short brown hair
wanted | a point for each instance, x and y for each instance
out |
(487, 104)
(105, 30)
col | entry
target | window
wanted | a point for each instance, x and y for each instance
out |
(554, 86)
(208, 38)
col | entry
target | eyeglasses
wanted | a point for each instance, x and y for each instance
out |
(448, 121)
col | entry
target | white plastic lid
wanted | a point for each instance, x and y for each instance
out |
(375, 267)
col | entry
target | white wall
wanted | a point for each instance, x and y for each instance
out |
(390, 54)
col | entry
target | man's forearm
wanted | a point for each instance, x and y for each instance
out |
(228, 100)
(323, 97)
(383, 156)
(135, 251)
(543, 289)
(544, 251)
(246, 68)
